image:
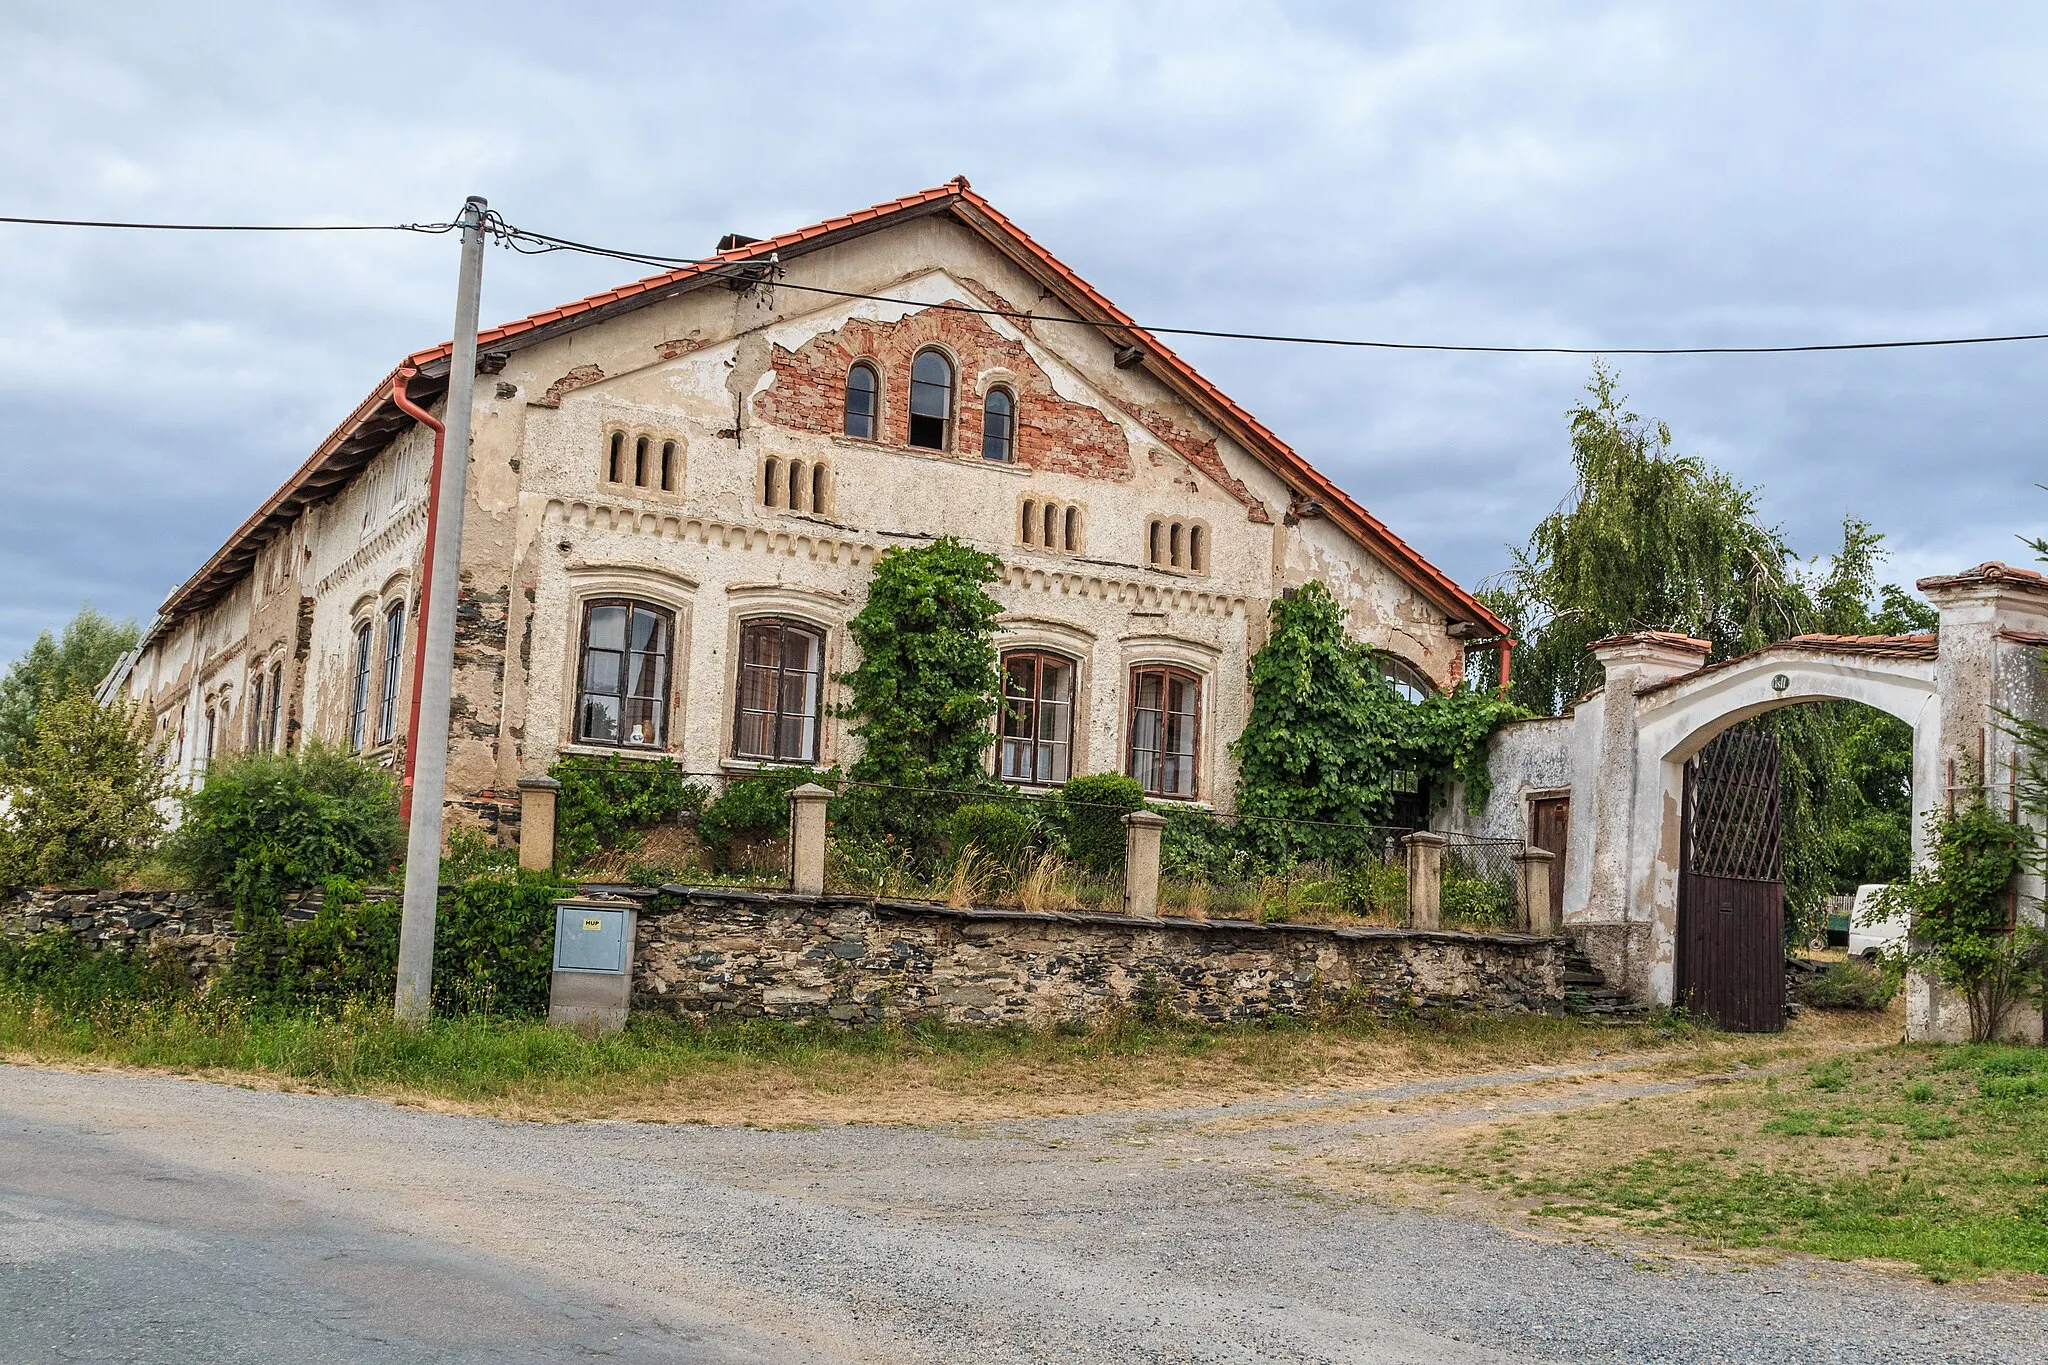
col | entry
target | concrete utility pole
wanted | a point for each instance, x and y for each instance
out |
(415, 997)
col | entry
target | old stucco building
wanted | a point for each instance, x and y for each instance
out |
(678, 490)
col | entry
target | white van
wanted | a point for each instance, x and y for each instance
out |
(1865, 937)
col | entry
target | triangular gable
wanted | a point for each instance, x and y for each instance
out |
(377, 418)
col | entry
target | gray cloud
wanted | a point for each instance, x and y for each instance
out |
(1568, 174)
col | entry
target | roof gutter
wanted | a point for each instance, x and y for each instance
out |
(419, 637)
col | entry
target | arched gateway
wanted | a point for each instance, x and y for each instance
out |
(1659, 707)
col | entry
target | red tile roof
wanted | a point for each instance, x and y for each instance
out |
(1917, 647)
(376, 419)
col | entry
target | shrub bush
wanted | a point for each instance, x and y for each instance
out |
(1091, 819)
(603, 800)
(755, 807)
(265, 824)
(1195, 844)
(1477, 901)
(494, 944)
(56, 968)
(1849, 986)
(1000, 831)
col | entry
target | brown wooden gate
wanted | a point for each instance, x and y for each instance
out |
(1731, 889)
(1550, 824)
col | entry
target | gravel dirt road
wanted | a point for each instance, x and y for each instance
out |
(162, 1220)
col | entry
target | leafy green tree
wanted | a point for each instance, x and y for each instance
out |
(925, 689)
(1650, 539)
(81, 794)
(56, 666)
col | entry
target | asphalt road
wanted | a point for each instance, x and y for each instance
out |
(164, 1221)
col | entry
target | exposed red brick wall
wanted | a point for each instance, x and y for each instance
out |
(583, 376)
(1200, 451)
(1052, 433)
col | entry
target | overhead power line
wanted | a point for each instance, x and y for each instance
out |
(233, 227)
(543, 243)
(537, 243)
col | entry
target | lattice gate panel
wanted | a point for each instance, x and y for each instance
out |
(1731, 892)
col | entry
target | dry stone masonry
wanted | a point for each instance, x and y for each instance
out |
(711, 954)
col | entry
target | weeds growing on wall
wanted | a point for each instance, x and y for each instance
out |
(604, 801)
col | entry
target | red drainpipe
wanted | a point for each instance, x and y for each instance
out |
(1506, 644)
(423, 597)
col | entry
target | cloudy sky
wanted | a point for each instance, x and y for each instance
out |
(1519, 173)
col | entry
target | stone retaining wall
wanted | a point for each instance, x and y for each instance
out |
(191, 927)
(716, 954)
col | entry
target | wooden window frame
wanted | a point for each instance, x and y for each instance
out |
(785, 625)
(873, 416)
(359, 689)
(1040, 657)
(394, 663)
(1009, 438)
(1154, 782)
(666, 701)
(272, 725)
(949, 423)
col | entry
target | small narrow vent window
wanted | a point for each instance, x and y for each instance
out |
(1177, 544)
(615, 466)
(640, 462)
(798, 487)
(668, 466)
(771, 482)
(821, 491)
(1049, 524)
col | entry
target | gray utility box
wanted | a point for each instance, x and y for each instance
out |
(593, 980)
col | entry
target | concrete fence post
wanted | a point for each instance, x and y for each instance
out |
(1534, 867)
(537, 798)
(807, 839)
(1425, 879)
(1141, 863)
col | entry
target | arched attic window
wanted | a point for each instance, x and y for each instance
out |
(863, 401)
(999, 426)
(931, 401)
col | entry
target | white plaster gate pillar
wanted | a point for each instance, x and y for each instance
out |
(1659, 707)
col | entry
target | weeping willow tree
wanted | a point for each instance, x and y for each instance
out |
(1651, 539)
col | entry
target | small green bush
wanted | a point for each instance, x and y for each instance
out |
(1374, 888)
(1091, 817)
(1478, 902)
(56, 968)
(755, 807)
(603, 800)
(1000, 831)
(1196, 845)
(494, 944)
(265, 824)
(1849, 986)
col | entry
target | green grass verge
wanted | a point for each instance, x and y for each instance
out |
(1935, 1157)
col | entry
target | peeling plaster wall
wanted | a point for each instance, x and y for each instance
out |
(1524, 759)
(340, 564)
(735, 378)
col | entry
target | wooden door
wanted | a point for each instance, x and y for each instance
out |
(1731, 890)
(1550, 825)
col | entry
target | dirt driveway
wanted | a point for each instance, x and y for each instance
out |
(146, 1218)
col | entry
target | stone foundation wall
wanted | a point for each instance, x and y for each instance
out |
(731, 954)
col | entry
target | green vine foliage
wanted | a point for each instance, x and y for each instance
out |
(1961, 903)
(925, 690)
(1329, 744)
(603, 800)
